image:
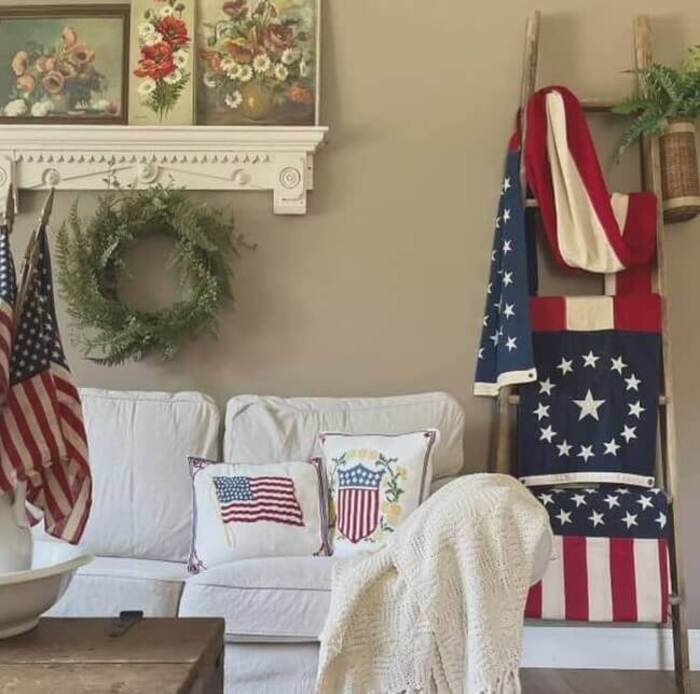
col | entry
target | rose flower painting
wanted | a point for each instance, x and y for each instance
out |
(62, 68)
(258, 62)
(161, 62)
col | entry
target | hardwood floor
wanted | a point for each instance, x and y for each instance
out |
(601, 682)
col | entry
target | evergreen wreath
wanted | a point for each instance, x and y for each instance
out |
(91, 258)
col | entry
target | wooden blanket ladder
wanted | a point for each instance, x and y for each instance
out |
(667, 467)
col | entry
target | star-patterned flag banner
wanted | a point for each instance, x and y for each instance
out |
(41, 426)
(592, 414)
(610, 558)
(505, 351)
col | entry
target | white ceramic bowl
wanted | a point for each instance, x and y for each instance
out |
(26, 595)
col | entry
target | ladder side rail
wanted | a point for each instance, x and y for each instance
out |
(503, 432)
(651, 175)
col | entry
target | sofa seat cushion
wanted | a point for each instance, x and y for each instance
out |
(108, 585)
(268, 599)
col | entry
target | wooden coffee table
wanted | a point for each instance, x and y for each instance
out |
(77, 656)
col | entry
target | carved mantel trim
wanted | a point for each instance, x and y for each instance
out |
(79, 157)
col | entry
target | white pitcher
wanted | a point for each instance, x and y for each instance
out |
(15, 535)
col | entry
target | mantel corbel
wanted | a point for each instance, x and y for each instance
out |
(77, 157)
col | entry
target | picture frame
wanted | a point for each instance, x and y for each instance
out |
(258, 62)
(162, 71)
(64, 64)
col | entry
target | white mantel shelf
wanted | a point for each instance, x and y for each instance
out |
(79, 157)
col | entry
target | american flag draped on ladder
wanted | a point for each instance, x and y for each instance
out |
(610, 556)
(253, 499)
(42, 436)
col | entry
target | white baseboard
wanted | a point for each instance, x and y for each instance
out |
(603, 647)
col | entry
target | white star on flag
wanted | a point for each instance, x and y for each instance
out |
(507, 278)
(632, 383)
(630, 519)
(611, 447)
(590, 359)
(547, 434)
(510, 343)
(506, 184)
(618, 364)
(586, 453)
(636, 409)
(589, 406)
(565, 366)
(661, 520)
(628, 433)
(506, 215)
(509, 310)
(645, 502)
(564, 448)
(579, 500)
(596, 518)
(545, 499)
(541, 411)
(507, 247)
(611, 501)
(546, 387)
(564, 517)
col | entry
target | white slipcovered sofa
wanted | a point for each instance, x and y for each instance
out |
(140, 526)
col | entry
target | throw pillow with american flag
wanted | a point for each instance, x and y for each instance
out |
(375, 482)
(256, 510)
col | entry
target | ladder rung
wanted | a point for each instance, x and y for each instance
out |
(514, 399)
(597, 105)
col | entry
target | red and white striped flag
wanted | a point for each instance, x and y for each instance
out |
(41, 428)
(8, 293)
(610, 557)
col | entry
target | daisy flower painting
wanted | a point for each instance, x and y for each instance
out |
(257, 62)
(161, 62)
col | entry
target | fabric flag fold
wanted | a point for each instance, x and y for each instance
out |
(586, 227)
(505, 351)
(610, 558)
(41, 428)
(592, 415)
(8, 295)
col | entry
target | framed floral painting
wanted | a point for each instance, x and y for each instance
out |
(64, 63)
(161, 71)
(258, 62)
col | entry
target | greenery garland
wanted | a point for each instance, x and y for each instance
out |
(91, 259)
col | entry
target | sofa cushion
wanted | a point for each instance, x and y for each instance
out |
(270, 599)
(272, 429)
(108, 585)
(142, 494)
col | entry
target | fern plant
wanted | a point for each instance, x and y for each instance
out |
(663, 93)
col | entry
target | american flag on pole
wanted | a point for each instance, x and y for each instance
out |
(41, 427)
(358, 502)
(610, 556)
(8, 294)
(505, 351)
(254, 499)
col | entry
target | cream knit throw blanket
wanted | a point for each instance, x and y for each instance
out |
(440, 607)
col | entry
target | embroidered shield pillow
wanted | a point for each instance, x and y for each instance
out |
(375, 482)
(244, 511)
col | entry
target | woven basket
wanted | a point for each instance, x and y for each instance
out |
(679, 171)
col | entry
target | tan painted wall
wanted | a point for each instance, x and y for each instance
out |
(379, 289)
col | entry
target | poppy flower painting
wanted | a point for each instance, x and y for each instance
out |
(162, 86)
(258, 62)
(63, 64)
